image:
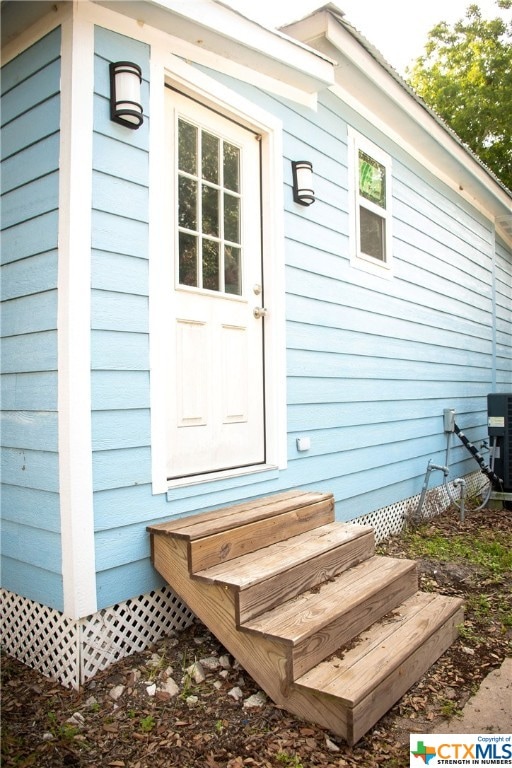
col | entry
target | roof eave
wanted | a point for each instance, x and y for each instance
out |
(369, 80)
(221, 30)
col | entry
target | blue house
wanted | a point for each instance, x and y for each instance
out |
(277, 282)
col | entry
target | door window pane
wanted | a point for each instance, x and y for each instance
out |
(372, 228)
(187, 147)
(231, 218)
(211, 270)
(188, 259)
(232, 271)
(187, 203)
(210, 211)
(231, 167)
(210, 157)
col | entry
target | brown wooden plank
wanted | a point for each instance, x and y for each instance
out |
(247, 570)
(204, 523)
(383, 659)
(231, 543)
(354, 620)
(427, 650)
(327, 675)
(286, 585)
(382, 648)
(298, 619)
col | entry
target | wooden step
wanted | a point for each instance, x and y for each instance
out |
(275, 574)
(316, 623)
(283, 587)
(221, 535)
(355, 688)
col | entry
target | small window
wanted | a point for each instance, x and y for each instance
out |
(370, 181)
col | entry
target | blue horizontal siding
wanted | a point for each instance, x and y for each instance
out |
(117, 234)
(503, 289)
(29, 391)
(122, 467)
(31, 200)
(117, 584)
(35, 274)
(117, 390)
(382, 325)
(118, 159)
(32, 163)
(119, 310)
(119, 274)
(31, 127)
(120, 197)
(35, 58)
(37, 88)
(324, 365)
(31, 558)
(120, 546)
(302, 336)
(29, 313)
(121, 429)
(33, 508)
(30, 238)
(30, 352)
(305, 416)
(35, 583)
(32, 545)
(35, 430)
(119, 351)
(116, 311)
(27, 468)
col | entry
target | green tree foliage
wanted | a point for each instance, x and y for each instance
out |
(465, 75)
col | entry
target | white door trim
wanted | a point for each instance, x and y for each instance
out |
(167, 68)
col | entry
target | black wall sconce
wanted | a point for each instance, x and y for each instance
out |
(303, 192)
(125, 100)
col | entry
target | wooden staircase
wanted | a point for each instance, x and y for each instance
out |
(331, 632)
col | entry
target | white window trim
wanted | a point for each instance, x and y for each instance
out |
(170, 69)
(358, 259)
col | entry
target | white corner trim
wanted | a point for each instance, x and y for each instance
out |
(158, 266)
(74, 319)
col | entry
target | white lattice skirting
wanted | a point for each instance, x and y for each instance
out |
(72, 652)
(389, 521)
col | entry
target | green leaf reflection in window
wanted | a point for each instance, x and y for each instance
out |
(372, 179)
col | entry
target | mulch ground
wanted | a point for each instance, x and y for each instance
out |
(45, 725)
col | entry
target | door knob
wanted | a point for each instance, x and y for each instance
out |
(259, 312)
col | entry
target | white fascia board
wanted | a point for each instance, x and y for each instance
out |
(222, 31)
(365, 84)
(74, 320)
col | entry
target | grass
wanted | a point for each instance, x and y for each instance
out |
(493, 557)
(289, 761)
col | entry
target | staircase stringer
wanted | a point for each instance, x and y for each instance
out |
(215, 606)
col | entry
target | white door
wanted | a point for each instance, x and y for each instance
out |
(216, 413)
